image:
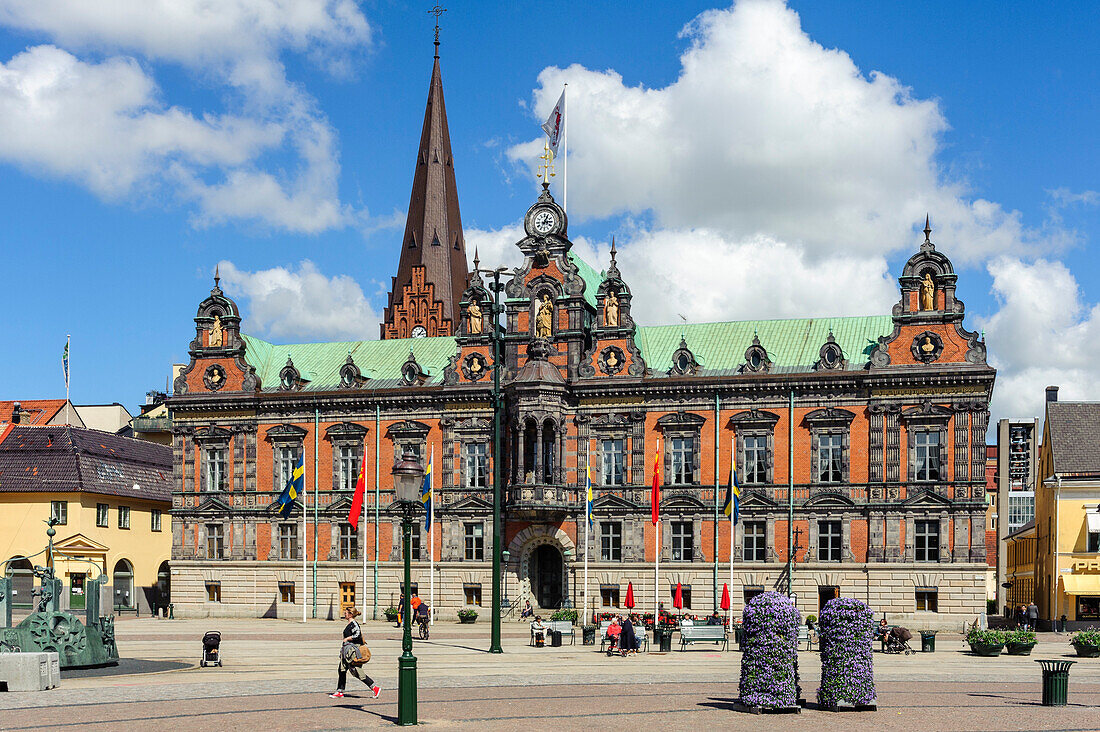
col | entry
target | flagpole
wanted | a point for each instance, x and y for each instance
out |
(733, 472)
(305, 512)
(68, 337)
(431, 540)
(363, 546)
(565, 156)
(657, 573)
(587, 525)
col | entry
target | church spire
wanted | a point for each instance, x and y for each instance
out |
(431, 274)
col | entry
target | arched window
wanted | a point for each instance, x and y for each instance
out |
(123, 580)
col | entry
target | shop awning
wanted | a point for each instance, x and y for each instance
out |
(1081, 584)
(1094, 522)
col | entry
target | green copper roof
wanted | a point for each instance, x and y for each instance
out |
(320, 362)
(592, 278)
(792, 345)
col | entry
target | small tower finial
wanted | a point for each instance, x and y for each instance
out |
(437, 11)
(217, 276)
(613, 249)
(477, 262)
(546, 167)
(927, 229)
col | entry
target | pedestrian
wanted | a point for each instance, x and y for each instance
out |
(1021, 616)
(1033, 615)
(628, 641)
(349, 649)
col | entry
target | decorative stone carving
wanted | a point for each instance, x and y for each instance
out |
(411, 373)
(927, 292)
(756, 358)
(350, 376)
(214, 378)
(830, 357)
(927, 347)
(683, 360)
(216, 333)
(544, 320)
(475, 321)
(611, 310)
(289, 378)
(612, 360)
(475, 367)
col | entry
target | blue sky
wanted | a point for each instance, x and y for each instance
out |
(760, 160)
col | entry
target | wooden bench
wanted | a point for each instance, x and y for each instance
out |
(643, 636)
(565, 627)
(712, 633)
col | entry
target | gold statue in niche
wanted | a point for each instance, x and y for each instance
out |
(545, 318)
(216, 333)
(475, 321)
(611, 310)
(928, 346)
(927, 292)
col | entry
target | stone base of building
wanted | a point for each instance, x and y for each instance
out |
(954, 593)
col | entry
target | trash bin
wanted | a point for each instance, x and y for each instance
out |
(588, 635)
(555, 639)
(663, 636)
(928, 641)
(1055, 682)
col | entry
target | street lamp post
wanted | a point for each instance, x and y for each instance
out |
(498, 468)
(408, 476)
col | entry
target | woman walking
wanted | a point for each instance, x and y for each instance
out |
(353, 638)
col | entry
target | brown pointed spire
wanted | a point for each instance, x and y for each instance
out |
(433, 231)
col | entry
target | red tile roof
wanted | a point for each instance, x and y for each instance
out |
(35, 411)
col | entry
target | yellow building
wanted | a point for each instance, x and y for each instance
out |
(1020, 567)
(1067, 513)
(111, 496)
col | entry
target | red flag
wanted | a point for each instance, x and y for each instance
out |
(357, 499)
(629, 596)
(725, 596)
(656, 483)
(678, 600)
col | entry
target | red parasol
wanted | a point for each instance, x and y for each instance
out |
(629, 596)
(678, 600)
(725, 596)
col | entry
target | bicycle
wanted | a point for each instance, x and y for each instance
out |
(423, 625)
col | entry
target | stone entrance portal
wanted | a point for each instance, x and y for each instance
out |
(547, 572)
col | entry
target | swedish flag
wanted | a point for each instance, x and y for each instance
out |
(588, 484)
(733, 496)
(294, 486)
(426, 493)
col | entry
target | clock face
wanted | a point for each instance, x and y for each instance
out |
(419, 332)
(545, 221)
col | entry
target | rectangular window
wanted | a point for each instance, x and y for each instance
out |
(754, 544)
(611, 541)
(472, 593)
(102, 515)
(59, 511)
(682, 453)
(215, 541)
(927, 542)
(752, 591)
(215, 469)
(683, 541)
(286, 592)
(685, 593)
(609, 595)
(1021, 509)
(1092, 519)
(154, 519)
(288, 541)
(928, 455)
(286, 459)
(828, 541)
(349, 461)
(349, 542)
(830, 454)
(755, 462)
(928, 599)
(214, 591)
(475, 464)
(414, 543)
(123, 517)
(475, 542)
(612, 454)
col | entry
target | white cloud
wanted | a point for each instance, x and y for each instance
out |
(766, 132)
(302, 304)
(117, 135)
(1044, 334)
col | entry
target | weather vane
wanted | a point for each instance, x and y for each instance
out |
(546, 167)
(437, 11)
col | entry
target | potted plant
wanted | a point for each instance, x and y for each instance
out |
(847, 666)
(1020, 642)
(1086, 642)
(391, 614)
(569, 614)
(467, 615)
(986, 642)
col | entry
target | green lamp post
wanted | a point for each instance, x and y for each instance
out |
(408, 475)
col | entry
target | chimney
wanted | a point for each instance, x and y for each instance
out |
(16, 413)
(1052, 393)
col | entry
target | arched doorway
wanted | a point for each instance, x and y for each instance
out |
(164, 587)
(547, 575)
(22, 582)
(123, 580)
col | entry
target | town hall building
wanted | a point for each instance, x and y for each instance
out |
(873, 428)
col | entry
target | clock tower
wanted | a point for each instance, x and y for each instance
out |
(431, 273)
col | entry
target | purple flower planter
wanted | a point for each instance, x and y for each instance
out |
(769, 662)
(847, 668)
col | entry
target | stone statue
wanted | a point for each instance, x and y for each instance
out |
(545, 318)
(612, 360)
(475, 321)
(927, 346)
(215, 340)
(927, 292)
(611, 310)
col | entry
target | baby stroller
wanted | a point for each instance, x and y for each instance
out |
(897, 641)
(211, 642)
